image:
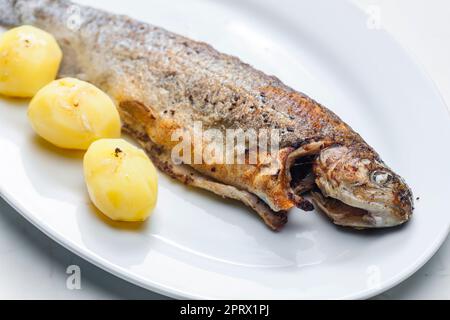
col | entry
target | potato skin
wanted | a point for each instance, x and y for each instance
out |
(72, 114)
(29, 59)
(121, 180)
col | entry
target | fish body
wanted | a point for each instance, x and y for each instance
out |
(163, 82)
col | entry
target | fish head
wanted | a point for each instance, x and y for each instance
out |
(357, 189)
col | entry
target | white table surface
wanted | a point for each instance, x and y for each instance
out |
(34, 267)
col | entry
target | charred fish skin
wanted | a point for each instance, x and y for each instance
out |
(163, 82)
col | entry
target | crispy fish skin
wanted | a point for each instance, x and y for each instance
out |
(163, 82)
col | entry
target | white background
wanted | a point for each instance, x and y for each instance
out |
(33, 267)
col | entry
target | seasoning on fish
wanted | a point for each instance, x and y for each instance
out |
(163, 82)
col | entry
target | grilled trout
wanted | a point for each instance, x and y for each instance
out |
(163, 82)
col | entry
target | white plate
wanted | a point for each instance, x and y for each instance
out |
(199, 246)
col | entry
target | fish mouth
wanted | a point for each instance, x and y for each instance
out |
(348, 216)
(303, 183)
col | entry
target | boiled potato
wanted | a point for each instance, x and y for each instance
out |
(72, 114)
(121, 180)
(29, 59)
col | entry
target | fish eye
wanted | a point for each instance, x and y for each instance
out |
(381, 177)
